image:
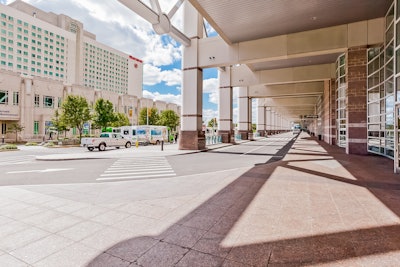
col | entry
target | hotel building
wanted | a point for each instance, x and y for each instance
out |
(46, 56)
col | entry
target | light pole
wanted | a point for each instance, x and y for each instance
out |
(131, 111)
(147, 115)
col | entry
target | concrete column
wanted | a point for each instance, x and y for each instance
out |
(268, 120)
(261, 120)
(191, 136)
(225, 129)
(273, 114)
(244, 116)
(356, 101)
(329, 112)
(26, 107)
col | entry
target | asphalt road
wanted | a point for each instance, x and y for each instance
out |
(22, 168)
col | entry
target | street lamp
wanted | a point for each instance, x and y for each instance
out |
(131, 110)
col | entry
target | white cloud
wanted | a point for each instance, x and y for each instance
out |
(153, 75)
(209, 114)
(210, 85)
(169, 98)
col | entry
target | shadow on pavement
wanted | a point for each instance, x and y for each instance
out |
(206, 236)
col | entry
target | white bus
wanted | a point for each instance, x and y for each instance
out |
(145, 134)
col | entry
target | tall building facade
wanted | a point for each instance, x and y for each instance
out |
(46, 56)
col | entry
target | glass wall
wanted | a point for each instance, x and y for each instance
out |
(341, 105)
(380, 94)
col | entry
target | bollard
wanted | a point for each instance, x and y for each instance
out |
(162, 145)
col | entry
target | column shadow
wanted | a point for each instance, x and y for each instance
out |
(198, 238)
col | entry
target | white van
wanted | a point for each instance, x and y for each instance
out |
(145, 134)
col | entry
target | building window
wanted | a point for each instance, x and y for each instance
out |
(341, 92)
(48, 101)
(3, 128)
(15, 98)
(35, 127)
(3, 97)
(37, 100)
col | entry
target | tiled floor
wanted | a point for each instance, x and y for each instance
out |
(316, 207)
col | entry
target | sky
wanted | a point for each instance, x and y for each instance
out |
(120, 28)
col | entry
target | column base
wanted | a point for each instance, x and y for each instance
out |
(192, 140)
(227, 136)
(244, 135)
(357, 148)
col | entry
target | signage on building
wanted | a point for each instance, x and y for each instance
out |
(7, 113)
(310, 116)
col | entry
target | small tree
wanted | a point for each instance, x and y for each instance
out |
(148, 116)
(15, 128)
(103, 113)
(120, 120)
(58, 124)
(75, 112)
(169, 118)
(213, 123)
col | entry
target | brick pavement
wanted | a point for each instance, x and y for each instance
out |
(316, 207)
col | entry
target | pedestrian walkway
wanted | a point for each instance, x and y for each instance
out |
(138, 168)
(315, 207)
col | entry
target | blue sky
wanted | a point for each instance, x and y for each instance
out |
(120, 28)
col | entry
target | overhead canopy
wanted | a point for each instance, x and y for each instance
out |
(273, 42)
(245, 22)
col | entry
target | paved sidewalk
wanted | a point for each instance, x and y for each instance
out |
(316, 207)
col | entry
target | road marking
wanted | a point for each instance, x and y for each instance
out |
(40, 171)
(137, 177)
(138, 168)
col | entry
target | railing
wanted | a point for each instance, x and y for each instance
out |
(238, 137)
(213, 139)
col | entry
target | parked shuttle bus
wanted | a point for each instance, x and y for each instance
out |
(145, 134)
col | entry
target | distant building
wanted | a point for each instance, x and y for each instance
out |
(45, 56)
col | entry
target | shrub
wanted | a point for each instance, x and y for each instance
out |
(31, 144)
(49, 144)
(8, 147)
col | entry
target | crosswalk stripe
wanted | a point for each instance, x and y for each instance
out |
(138, 168)
(135, 172)
(136, 177)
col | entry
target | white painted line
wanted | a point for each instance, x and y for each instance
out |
(133, 172)
(39, 171)
(136, 176)
(138, 169)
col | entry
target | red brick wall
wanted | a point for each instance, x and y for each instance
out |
(329, 112)
(356, 100)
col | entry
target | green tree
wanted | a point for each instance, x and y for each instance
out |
(58, 124)
(213, 123)
(103, 113)
(75, 112)
(148, 116)
(169, 118)
(120, 120)
(15, 128)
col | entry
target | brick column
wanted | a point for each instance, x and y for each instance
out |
(244, 124)
(329, 112)
(191, 136)
(225, 128)
(261, 120)
(356, 101)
